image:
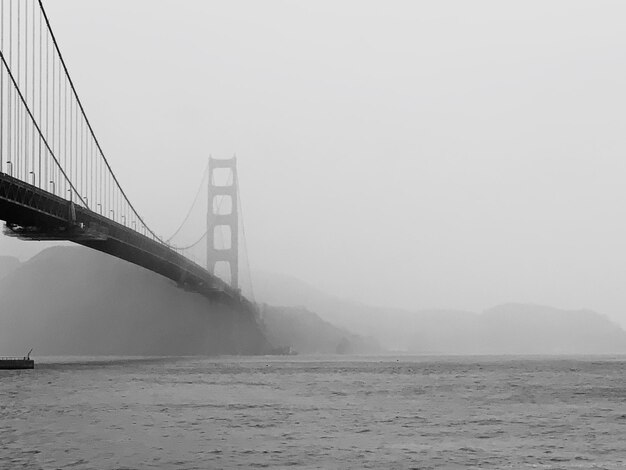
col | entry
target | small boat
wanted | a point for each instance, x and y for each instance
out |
(10, 363)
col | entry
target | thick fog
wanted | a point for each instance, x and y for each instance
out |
(445, 154)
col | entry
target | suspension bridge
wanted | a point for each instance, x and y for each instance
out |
(57, 184)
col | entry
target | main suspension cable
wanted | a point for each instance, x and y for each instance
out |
(30, 114)
(197, 242)
(91, 131)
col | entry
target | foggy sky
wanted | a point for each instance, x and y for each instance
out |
(417, 154)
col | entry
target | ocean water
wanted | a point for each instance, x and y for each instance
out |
(315, 412)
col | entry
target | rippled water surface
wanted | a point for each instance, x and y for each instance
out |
(307, 412)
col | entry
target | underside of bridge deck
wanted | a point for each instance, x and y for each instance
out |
(31, 213)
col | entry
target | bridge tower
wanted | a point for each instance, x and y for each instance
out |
(219, 218)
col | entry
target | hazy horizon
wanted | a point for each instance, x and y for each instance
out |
(421, 155)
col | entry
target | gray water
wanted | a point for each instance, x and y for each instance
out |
(308, 412)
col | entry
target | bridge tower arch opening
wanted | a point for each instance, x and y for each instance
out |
(220, 191)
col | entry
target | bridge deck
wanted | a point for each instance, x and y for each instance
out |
(35, 214)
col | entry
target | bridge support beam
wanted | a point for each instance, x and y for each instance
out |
(218, 217)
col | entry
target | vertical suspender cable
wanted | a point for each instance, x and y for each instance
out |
(48, 174)
(70, 156)
(40, 98)
(32, 89)
(10, 120)
(40, 95)
(1, 87)
(18, 136)
(26, 174)
(245, 240)
(10, 94)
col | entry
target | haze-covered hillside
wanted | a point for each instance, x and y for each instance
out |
(506, 329)
(8, 264)
(75, 301)
(306, 333)
(365, 320)
(518, 329)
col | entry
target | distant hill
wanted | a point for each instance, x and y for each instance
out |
(505, 329)
(519, 329)
(76, 301)
(365, 320)
(306, 333)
